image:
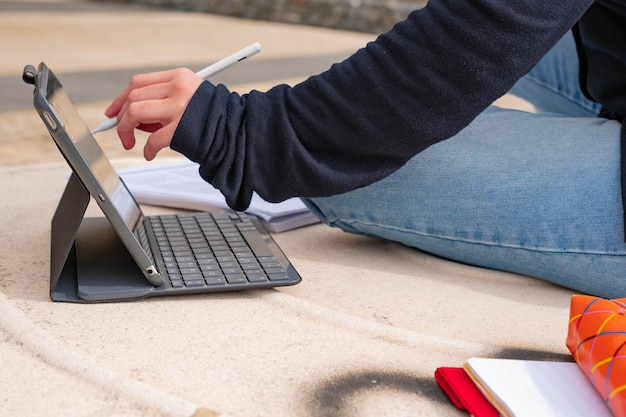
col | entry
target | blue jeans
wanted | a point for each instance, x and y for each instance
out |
(532, 193)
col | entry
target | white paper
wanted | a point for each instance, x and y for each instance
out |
(180, 186)
(537, 388)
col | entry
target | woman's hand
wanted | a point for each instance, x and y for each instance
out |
(154, 103)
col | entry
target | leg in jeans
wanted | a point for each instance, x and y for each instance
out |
(532, 193)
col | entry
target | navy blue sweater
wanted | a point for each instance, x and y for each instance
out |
(418, 84)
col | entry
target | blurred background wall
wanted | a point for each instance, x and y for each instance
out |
(370, 16)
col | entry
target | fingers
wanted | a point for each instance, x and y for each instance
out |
(156, 116)
(137, 81)
(154, 103)
(144, 107)
(157, 141)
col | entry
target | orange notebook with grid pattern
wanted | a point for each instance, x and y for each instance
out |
(596, 339)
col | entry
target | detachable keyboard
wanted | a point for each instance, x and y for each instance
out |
(199, 251)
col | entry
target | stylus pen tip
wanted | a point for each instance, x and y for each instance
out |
(106, 125)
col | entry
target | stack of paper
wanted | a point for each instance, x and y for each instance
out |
(180, 186)
(520, 388)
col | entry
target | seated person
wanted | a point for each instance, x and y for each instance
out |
(400, 141)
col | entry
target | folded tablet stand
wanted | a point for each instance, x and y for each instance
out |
(91, 240)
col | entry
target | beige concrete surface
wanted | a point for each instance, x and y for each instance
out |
(360, 336)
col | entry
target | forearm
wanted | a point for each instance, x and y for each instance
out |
(420, 83)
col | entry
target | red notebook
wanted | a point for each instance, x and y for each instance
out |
(463, 393)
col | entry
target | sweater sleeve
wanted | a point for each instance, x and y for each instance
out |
(420, 83)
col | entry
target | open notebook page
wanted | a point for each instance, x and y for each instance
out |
(520, 388)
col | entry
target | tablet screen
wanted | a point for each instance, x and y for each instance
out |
(113, 188)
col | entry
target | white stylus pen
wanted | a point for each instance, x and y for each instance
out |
(209, 71)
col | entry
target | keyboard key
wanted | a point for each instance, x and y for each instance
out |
(194, 283)
(270, 264)
(189, 271)
(210, 267)
(185, 259)
(256, 277)
(212, 274)
(234, 278)
(278, 277)
(270, 271)
(247, 260)
(217, 280)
